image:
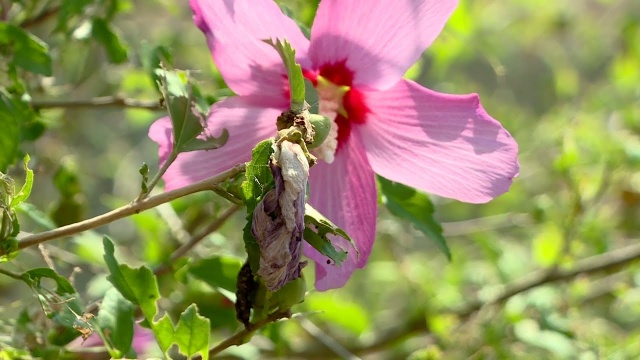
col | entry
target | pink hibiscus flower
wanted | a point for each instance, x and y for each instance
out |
(359, 50)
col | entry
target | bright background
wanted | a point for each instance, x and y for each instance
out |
(562, 76)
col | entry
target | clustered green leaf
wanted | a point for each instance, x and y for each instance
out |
(139, 286)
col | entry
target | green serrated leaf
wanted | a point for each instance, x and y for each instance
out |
(115, 319)
(33, 278)
(192, 333)
(294, 73)
(102, 32)
(317, 237)
(258, 175)
(140, 287)
(415, 207)
(25, 191)
(164, 332)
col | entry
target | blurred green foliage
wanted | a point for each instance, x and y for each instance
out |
(563, 77)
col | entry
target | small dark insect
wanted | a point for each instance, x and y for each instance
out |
(246, 288)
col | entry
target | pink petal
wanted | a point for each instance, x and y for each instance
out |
(235, 31)
(248, 123)
(443, 144)
(160, 132)
(380, 39)
(345, 192)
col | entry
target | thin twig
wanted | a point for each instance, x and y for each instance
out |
(98, 102)
(11, 274)
(130, 209)
(328, 341)
(609, 261)
(42, 17)
(163, 169)
(195, 239)
(244, 335)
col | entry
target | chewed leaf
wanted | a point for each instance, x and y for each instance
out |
(34, 277)
(192, 333)
(324, 246)
(316, 231)
(188, 113)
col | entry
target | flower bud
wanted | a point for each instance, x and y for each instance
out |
(290, 294)
(322, 126)
(278, 219)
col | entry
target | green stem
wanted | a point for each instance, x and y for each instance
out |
(98, 102)
(158, 176)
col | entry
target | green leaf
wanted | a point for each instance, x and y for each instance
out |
(139, 286)
(67, 178)
(34, 277)
(102, 33)
(409, 204)
(324, 246)
(251, 245)
(29, 52)
(192, 333)
(9, 249)
(259, 179)
(10, 134)
(188, 113)
(316, 235)
(25, 191)
(218, 271)
(547, 245)
(68, 10)
(163, 331)
(152, 58)
(294, 73)
(36, 215)
(115, 319)
(344, 313)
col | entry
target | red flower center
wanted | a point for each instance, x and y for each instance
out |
(351, 105)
